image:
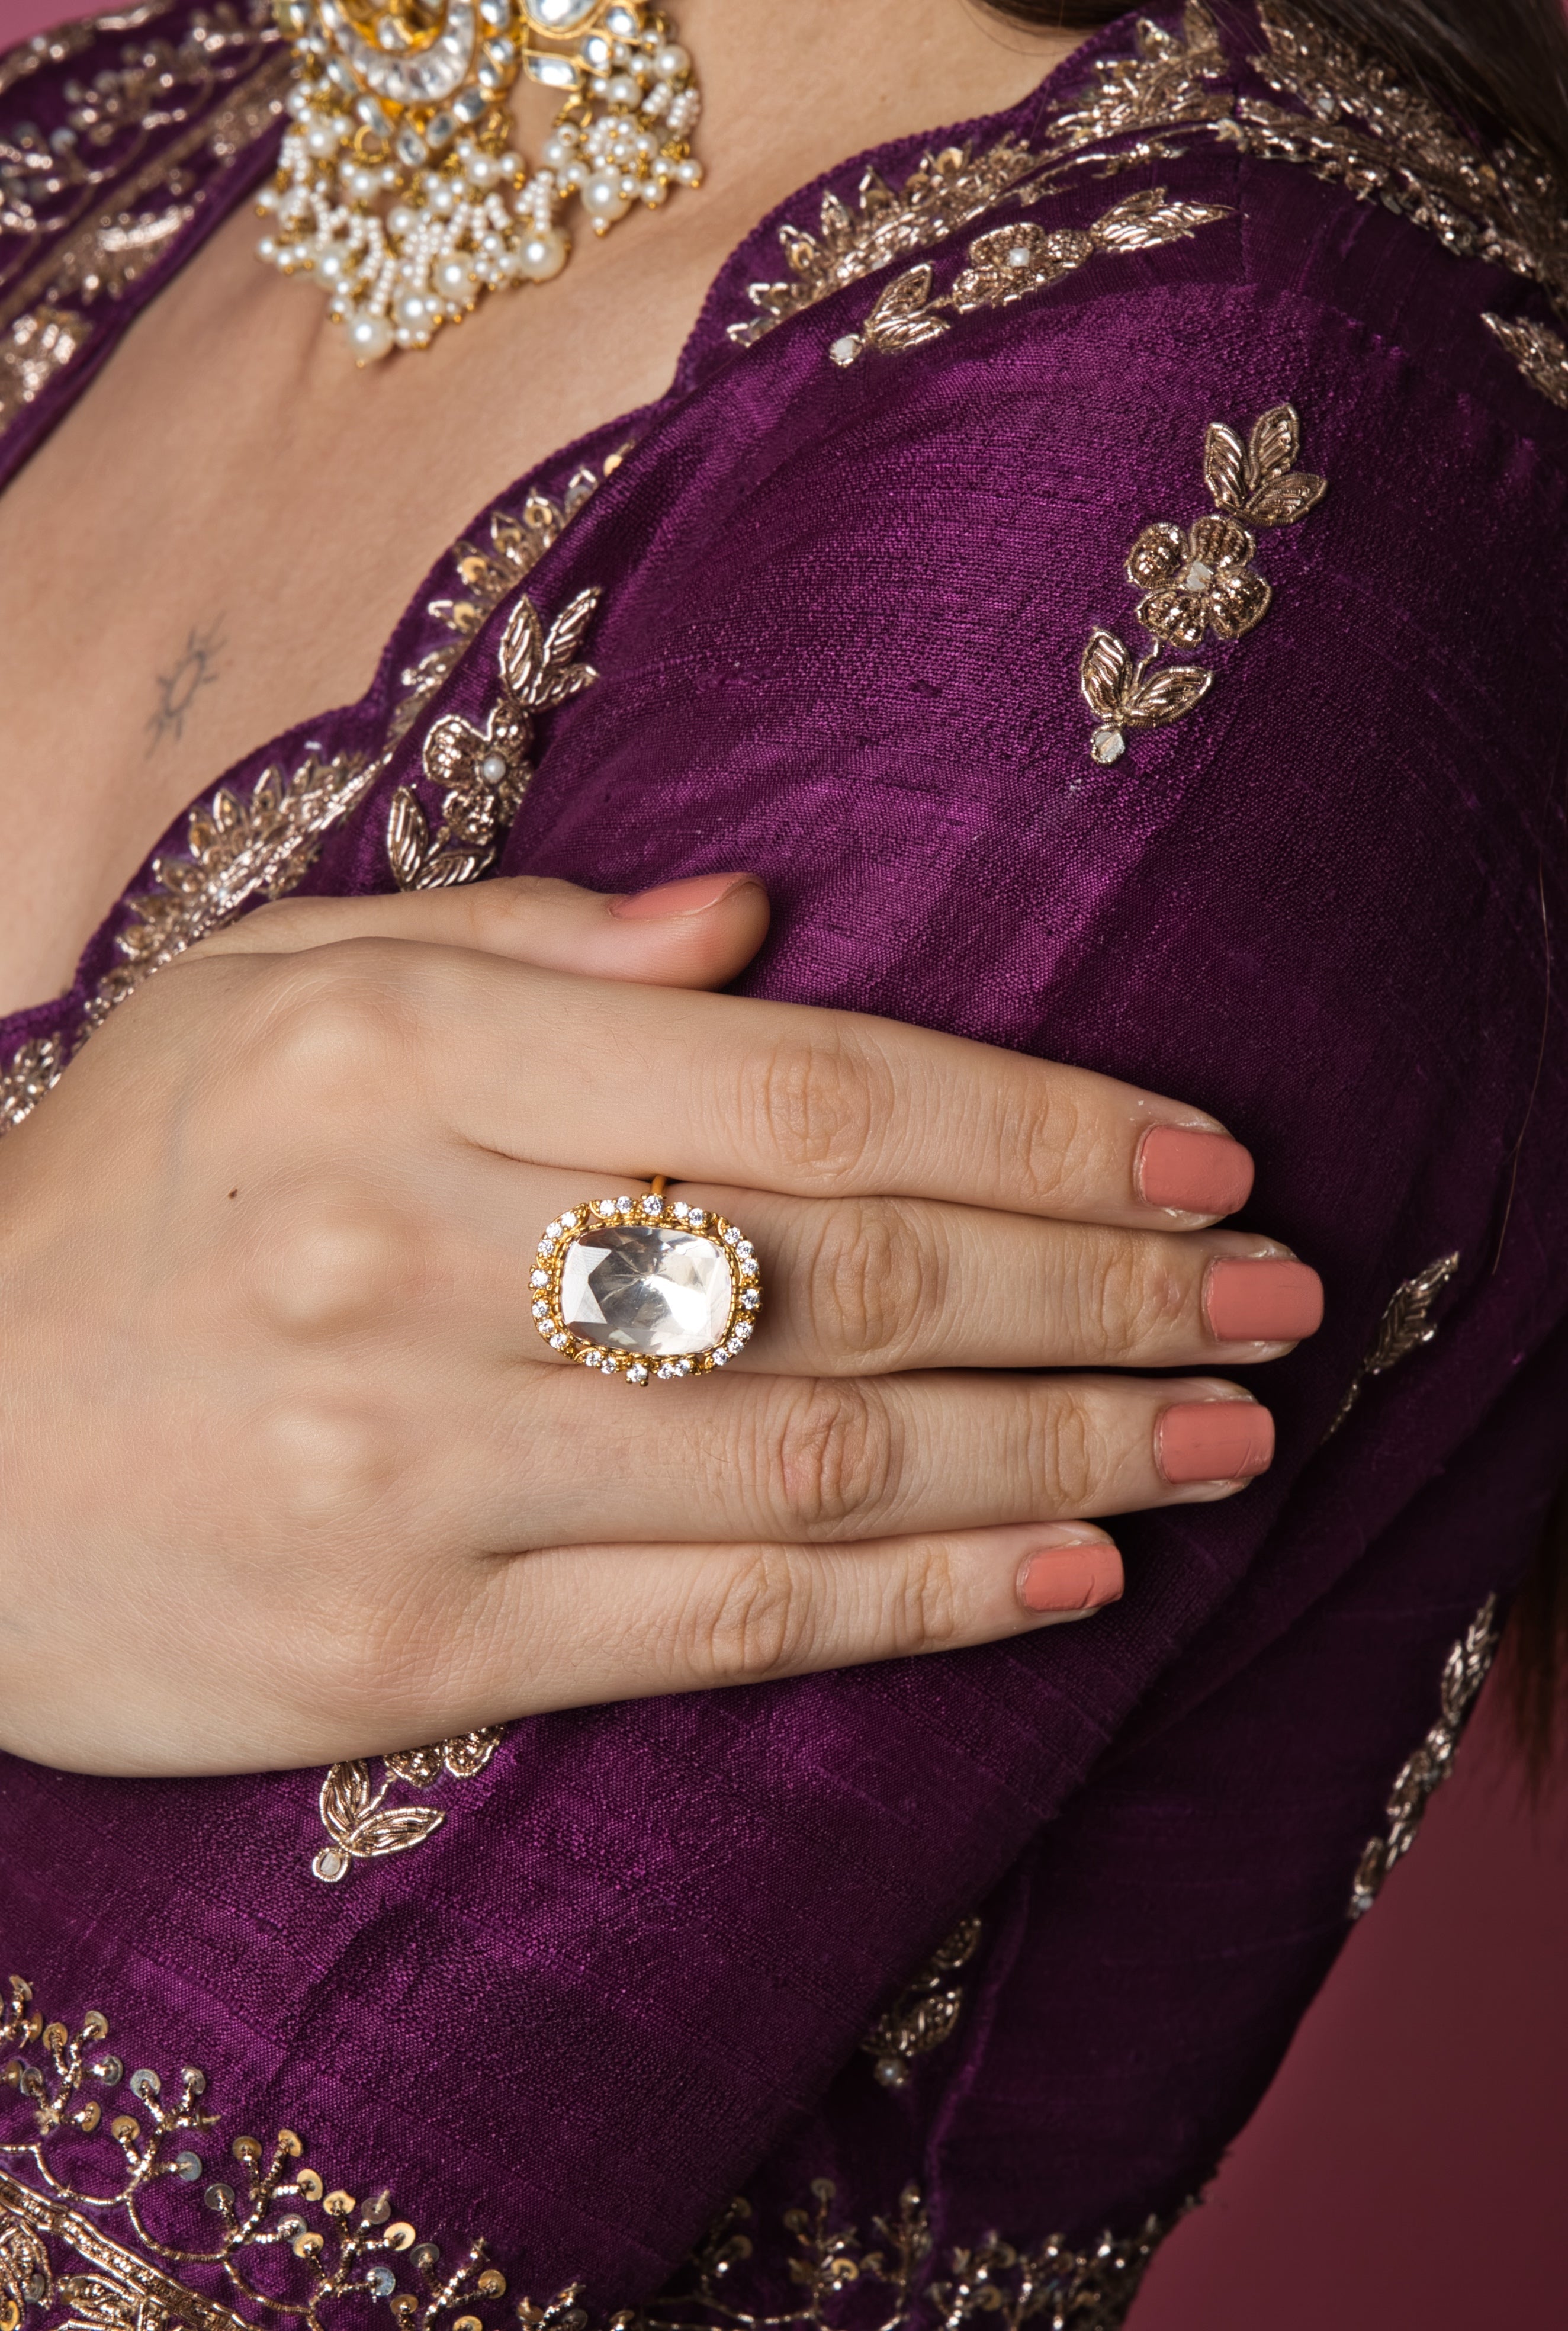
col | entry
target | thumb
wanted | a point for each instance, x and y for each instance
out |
(699, 932)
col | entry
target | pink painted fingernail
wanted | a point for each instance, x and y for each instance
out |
(1263, 1299)
(693, 896)
(1192, 1172)
(1082, 1577)
(1213, 1440)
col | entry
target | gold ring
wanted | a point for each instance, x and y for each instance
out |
(646, 1289)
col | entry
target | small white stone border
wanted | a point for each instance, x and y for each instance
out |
(654, 1211)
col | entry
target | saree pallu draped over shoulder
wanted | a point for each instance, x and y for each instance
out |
(1103, 569)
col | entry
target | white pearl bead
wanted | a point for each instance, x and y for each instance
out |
(267, 248)
(414, 311)
(453, 281)
(402, 221)
(603, 198)
(622, 90)
(555, 153)
(331, 263)
(542, 254)
(370, 337)
(689, 173)
(482, 170)
(442, 198)
(671, 61)
(321, 139)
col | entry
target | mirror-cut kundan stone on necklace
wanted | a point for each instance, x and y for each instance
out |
(638, 1287)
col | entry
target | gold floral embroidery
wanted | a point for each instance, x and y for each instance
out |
(1198, 579)
(103, 2149)
(32, 1068)
(1000, 2283)
(361, 1824)
(1356, 127)
(1404, 1327)
(209, 89)
(488, 577)
(1012, 261)
(237, 851)
(926, 2012)
(1464, 1673)
(37, 347)
(105, 2143)
(1541, 354)
(485, 771)
(1164, 85)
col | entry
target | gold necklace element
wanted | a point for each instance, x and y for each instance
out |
(398, 186)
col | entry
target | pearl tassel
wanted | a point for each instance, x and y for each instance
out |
(405, 212)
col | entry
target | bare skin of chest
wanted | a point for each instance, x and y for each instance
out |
(217, 541)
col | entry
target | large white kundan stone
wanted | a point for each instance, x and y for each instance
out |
(635, 1287)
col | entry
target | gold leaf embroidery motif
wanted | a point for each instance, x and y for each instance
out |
(1356, 127)
(1464, 1672)
(1197, 580)
(1541, 354)
(359, 1821)
(1011, 261)
(485, 771)
(1164, 85)
(32, 1068)
(1359, 128)
(82, 195)
(994, 2282)
(1404, 1327)
(238, 850)
(337, 2264)
(926, 2012)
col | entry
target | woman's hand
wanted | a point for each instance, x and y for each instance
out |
(277, 1425)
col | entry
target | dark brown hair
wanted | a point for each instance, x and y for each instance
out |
(1502, 66)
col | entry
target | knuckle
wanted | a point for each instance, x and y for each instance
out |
(1131, 1299)
(921, 1604)
(335, 1265)
(334, 1014)
(1072, 1460)
(878, 1270)
(327, 1465)
(1057, 1145)
(760, 1623)
(832, 1457)
(817, 1102)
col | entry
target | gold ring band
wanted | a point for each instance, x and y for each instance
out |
(647, 1290)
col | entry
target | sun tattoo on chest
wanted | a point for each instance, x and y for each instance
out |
(195, 668)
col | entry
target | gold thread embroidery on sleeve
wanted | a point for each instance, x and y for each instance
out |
(96, 2142)
(1012, 261)
(1464, 1672)
(926, 2011)
(1359, 128)
(1346, 118)
(361, 1824)
(1198, 580)
(1404, 1327)
(31, 1070)
(484, 773)
(1541, 354)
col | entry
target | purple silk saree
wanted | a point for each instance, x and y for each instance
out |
(1011, 1940)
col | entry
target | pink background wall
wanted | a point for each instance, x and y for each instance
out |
(1409, 2169)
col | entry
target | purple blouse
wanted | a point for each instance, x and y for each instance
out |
(1271, 817)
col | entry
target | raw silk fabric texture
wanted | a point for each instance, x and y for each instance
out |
(839, 643)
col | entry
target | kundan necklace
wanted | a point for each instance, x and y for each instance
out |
(398, 187)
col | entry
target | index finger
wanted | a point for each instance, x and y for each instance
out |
(806, 1101)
